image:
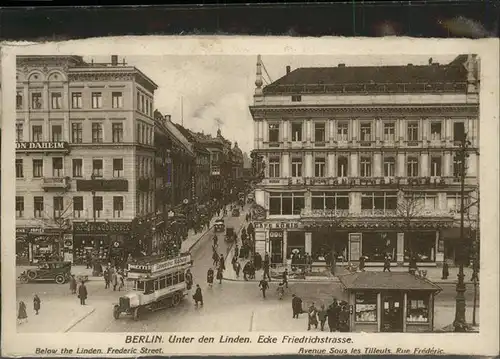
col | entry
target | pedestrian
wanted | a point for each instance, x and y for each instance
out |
(198, 296)
(22, 316)
(296, 306)
(322, 315)
(236, 251)
(36, 303)
(114, 280)
(121, 281)
(246, 270)
(189, 279)
(82, 293)
(105, 275)
(222, 264)
(72, 284)
(446, 271)
(362, 261)
(312, 317)
(210, 277)
(285, 277)
(332, 316)
(343, 319)
(266, 267)
(219, 275)
(263, 285)
(237, 269)
(215, 259)
(387, 263)
(412, 265)
(281, 290)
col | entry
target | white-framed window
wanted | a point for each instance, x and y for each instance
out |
(38, 207)
(37, 133)
(117, 99)
(76, 100)
(117, 167)
(457, 168)
(412, 167)
(117, 132)
(37, 168)
(319, 167)
(56, 100)
(19, 168)
(342, 131)
(57, 167)
(117, 206)
(389, 131)
(319, 132)
(389, 166)
(19, 206)
(77, 132)
(436, 163)
(97, 133)
(330, 200)
(97, 206)
(296, 98)
(365, 166)
(290, 203)
(78, 206)
(296, 132)
(436, 131)
(379, 201)
(342, 166)
(19, 132)
(57, 133)
(77, 167)
(365, 132)
(96, 99)
(422, 201)
(274, 166)
(274, 132)
(412, 129)
(97, 168)
(58, 206)
(296, 167)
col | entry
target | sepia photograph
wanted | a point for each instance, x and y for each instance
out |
(231, 202)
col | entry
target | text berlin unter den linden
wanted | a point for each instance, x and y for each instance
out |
(240, 339)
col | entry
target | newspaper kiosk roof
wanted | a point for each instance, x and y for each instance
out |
(402, 281)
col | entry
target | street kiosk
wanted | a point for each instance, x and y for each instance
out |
(389, 302)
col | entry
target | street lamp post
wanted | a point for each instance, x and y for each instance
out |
(460, 323)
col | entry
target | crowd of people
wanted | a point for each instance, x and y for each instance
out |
(336, 315)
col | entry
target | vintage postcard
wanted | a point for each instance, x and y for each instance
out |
(245, 195)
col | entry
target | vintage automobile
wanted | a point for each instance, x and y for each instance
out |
(230, 234)
(235, 212)
(59, 272)
(219, 225)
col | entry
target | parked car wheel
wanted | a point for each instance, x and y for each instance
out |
(176, 299)
(136, 313)
(60, 279)
(31, 274)
(116, 312)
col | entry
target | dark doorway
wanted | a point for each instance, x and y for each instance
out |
(277, 250)
(392, 312)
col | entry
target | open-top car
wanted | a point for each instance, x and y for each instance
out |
(219, 225)
(59, 272)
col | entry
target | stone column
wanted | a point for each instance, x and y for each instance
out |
(447, 164)
(472, 168)
(307, 201)
(331, 131)
(425, 129)
(285, 245)
(285, 165)
(424, 164)
(256, 134)
(378, 130)
(331, 165)
(308, 165)
(400, 170)
(353, 165)
(308, 242)
(400, 248)
(377, 165)
(308, 129)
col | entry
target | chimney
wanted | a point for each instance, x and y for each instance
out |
(114, 60)
(167, 118)
(341, 65)
(288, 70)
(410, 65)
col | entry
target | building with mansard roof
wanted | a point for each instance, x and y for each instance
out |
(361, 161)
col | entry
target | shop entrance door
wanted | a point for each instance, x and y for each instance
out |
(276, 251)
(392, 312)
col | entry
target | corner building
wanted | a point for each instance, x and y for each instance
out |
(84, 158)
(361, 161)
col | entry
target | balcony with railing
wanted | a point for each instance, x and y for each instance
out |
(55, 183)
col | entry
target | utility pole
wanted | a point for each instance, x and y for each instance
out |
(461, 156)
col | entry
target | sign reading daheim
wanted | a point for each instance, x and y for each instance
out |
(41, 146)
(278, 225)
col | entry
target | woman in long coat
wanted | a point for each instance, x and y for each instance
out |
(72, 284)
(219, 275)
(22, 316)
(197, 296)
(36, 303)
(210, 277)
(312, 317)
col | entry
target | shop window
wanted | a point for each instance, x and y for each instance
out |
(319, 132)
(377, 246)
(97, 168)
(97, 132)
(36, 133)
(157, 284)
(296, 132)
(295, 242)
(37, 168)
(56, 100)
(56, 133)
(77, 167)
(38, 206)
(296, 98)
(19, 168)
(458, 131)
(76, 100)
(389, 132)
(421, 245)
(342, 166)
(296, 167)
(417, 310)
(389, 166)
(436, 131)
(326, 243)
(77, 132)
(97, 206)
(319, 167)
(436, 166)
(117, 167)
(365, 307)
(77, 207)
(19, 206)
(117, 206)
(117, 131)
(96, 99)
(19, 132)
(57, 167)
(288, 203)
(342, 131)
(274, 132)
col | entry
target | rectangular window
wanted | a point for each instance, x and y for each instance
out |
(389, 166)
(365, 132)
(37, 168)
(19, 132)
(436, 131)
(142, 103)
(435, 166)
(36, 133)
(366, 167)
(117, 99)
(342, 131)
(378, 202)
(458, 131)
(117, 129)
(97, 168)
(288, 203)
(19, 206)
(38, 206)
(36, 100)
(19, 100)
(389, 132)
(77, 167)
(98, 206)
(329, 201)
(96, 99)
(56, 100)
(319, 132)
(58, 206)
(457, 168)
(19, 168)
(96, 132)
(76, 100)
(296, 167)
(117, 206)
(138, 101)
(319, 167)
(57, 167)
(56, 133)
(296, 132)
(77, 207)
(365, 307)
(412, 131)
(147, 106)
(412, 167)
(274, 132)
(417, 310)
(117, 167)
(342, 166)
(453, 202)
(274, 167)
(296, 98)
(76, 132)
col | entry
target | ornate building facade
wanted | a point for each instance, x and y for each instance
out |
(84, 158)
(361, 161)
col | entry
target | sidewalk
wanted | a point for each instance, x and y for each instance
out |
(55, 316)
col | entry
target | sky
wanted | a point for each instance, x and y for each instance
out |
(218, 89)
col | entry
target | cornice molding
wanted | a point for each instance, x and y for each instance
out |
(101, 76)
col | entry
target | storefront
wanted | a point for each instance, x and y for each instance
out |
(35, 245)
(102, 241)
(390, 302)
